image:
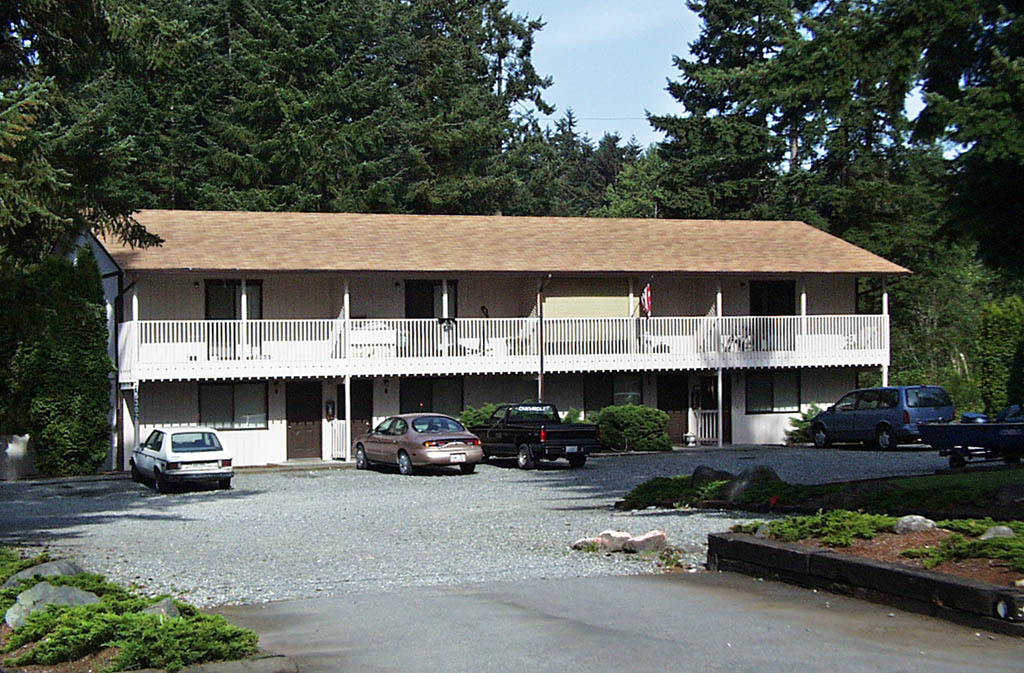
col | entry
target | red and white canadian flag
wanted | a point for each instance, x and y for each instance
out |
(645, 301)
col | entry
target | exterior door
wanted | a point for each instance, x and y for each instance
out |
(302, 411)
(362, 405)
(673, 400)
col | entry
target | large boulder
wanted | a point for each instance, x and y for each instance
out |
(732, 491)
(48, 569)
(612, 540)
(705, 473)
(38, 597)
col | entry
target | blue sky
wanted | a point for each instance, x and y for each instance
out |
(610, 60)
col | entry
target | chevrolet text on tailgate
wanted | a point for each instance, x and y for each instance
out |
(533, 432)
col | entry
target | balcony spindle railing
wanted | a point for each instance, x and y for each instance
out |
(189, 349)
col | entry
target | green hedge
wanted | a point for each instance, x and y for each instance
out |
(54, 367)
(1000, 349)
(634, 427)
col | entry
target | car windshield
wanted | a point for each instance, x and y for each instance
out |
(928, 397)
(436, 424)
(533, 413)
(185, 442)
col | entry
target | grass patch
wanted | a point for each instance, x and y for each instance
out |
(974, 490)
(64, 633)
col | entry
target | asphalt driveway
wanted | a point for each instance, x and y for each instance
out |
(311, 533)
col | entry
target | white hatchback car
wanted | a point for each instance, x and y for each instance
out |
(176, 455)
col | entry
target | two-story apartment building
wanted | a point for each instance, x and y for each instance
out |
(294, 332)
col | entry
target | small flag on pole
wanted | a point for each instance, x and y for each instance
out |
(645, 301)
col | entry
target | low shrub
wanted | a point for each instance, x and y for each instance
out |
(800, 428)
(838, 527)
(957, 547)
(634, 427)
(67, 633)
(477, 416)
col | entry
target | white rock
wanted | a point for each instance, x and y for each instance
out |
(612, 540)
(585, 543)
(651, 541)
(912, 523)
(997, 531)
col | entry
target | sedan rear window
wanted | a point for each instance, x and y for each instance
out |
(184, 442)
(432, 424)
(928, 397)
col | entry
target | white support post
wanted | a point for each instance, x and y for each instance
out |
(718, 313)
(444, 298)
(135, 300)
(346, 313)
(348, 406)
(721, 421)
(885, 313)
(244, 315)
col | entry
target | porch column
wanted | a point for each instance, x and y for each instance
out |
(346, 312)
(348, 416)
(444, 298)
(135, 409)
(721, 421)
(244, 315)
(634, 340)
(135, 300)
(718, 313)
(885, 314)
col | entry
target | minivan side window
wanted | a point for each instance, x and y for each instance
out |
(846, 403)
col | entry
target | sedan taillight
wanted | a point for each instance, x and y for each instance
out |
(225, 462)
(473, 442)
(173, 466)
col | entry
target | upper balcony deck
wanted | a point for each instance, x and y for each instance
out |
(155, 350)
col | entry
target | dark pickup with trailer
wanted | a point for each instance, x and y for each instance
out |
(533, 432)
(977, 438)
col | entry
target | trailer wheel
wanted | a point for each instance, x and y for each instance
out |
(956, 461)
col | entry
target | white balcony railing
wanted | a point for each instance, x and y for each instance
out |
(200, 349)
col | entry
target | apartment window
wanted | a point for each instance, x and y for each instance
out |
(233, 406)
(604, 390)
(776, 391)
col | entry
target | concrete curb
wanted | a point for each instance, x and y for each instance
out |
(968, 602)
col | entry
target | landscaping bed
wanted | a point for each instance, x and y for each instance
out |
(106, 627)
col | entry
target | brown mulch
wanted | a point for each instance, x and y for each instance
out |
(888, 546)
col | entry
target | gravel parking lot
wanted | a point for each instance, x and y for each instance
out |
(286, 534)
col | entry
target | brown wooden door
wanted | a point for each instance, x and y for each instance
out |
(302, 411)
(673, 399)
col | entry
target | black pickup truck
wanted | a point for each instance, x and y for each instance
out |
(533, 432)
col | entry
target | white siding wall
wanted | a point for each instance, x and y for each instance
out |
(817, 386)
(176, 404)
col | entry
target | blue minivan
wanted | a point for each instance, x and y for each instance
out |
(881, 417)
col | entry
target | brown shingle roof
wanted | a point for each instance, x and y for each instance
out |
(248, 241)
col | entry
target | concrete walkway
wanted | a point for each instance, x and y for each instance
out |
(681, 623)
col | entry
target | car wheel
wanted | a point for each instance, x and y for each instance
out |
(884, 441)
(224, 484)
(468, 468)
(820, 437)
(361, 462)
(159, 482)
(577, 461)
(136, 477)
(404, 463)
(524, 458)
(956, 461)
